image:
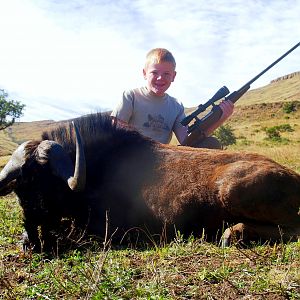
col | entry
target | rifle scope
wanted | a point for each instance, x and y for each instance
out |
(221, 93)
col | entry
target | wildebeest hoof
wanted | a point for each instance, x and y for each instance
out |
(25, 242)
(233, 234)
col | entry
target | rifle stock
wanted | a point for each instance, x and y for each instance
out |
(196, 131)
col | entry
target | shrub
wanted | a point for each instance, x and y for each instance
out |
(285, 128)
(289, 107)
(225, 135)
(273, 133)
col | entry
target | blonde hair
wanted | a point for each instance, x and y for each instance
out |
(158, 55)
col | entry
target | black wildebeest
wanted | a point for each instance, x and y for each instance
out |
(141, 183)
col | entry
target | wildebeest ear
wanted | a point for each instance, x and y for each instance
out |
(7, 189)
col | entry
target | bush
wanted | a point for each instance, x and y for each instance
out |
(289, 107)
(273, 133)
(225, 135)
(285, 128)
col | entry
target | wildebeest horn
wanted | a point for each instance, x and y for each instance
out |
(77, 182)
(13, 168)
(62, 166)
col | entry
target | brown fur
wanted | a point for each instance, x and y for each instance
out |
(231, 187)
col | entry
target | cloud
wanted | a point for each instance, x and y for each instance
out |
(66, 58)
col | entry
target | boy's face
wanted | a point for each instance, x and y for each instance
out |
(159, 77)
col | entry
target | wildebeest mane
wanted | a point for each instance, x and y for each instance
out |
(97, 129)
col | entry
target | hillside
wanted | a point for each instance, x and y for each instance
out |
(11, 137)
(282, 89)
(256, 110)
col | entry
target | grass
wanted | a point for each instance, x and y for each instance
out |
(183, 269)
(252, 136)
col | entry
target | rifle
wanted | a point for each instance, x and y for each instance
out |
(197, 129)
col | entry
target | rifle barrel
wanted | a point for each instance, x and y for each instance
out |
(233, 96)
(269, 67)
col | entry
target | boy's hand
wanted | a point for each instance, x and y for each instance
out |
(227, 109)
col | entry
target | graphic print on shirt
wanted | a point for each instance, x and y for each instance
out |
(156, 122)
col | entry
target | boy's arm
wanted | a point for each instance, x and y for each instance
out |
(179, 130)
(181, 133)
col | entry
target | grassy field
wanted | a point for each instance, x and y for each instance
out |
(252, 136)
(182, 269)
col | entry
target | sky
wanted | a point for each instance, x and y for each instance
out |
(64, 59)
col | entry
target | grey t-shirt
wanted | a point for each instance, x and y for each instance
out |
(155, 117)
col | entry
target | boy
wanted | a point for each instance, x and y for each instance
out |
(152, 112)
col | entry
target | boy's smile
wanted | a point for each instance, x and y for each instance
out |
(159, 77)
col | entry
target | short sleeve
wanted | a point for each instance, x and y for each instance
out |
(124, 109)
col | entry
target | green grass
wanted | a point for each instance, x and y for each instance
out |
(182, 269)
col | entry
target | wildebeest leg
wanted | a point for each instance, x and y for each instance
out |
(253, 232)
(30, 238)
(40, 237)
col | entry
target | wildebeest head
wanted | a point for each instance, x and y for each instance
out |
(41, 173)
(46, 152)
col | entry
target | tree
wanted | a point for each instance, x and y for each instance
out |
(225, 135)
(9, 110)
